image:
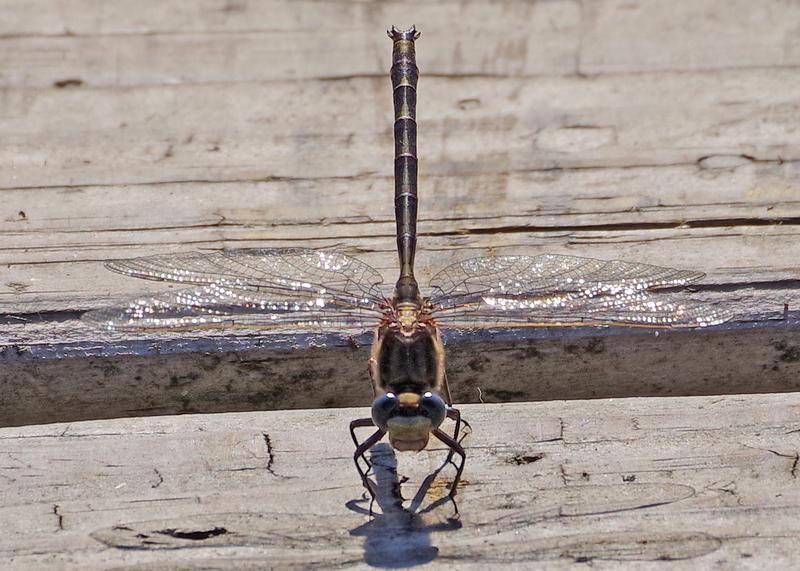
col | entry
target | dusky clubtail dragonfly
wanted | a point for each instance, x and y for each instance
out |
(324, 289)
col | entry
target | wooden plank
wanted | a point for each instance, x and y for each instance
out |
(141, 43)
(540, 130)
(325, 46)
(682, 194)
(140, 127)
(246, 132)
(687, 35)
(652, 483)
(689, 196)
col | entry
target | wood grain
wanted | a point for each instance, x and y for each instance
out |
(645, 131)
(618, 130)
(468, 126)
(135, 43)
(696, 481)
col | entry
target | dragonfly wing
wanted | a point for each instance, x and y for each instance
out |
(637, 308)
(553, 290)
(213, 306)
(292, 272)
(550, 273)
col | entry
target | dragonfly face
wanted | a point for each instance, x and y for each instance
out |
(302, 288)
(408, 418)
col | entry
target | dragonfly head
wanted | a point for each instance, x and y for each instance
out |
(408, 418)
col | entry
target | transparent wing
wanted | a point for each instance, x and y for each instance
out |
(217, 306)
(553, 290)
(289, 272)
(637, 308)
(550, 273)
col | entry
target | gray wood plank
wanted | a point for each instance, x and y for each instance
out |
(139, 43)
(634, 483)
(251, 131)
(659, 132)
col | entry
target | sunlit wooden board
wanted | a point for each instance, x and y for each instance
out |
(655, 483)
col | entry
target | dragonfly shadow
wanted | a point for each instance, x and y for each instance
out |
(400, 536)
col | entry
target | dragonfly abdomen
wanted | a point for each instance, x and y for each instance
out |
(404, 75)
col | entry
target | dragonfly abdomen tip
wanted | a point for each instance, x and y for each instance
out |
(409, 34)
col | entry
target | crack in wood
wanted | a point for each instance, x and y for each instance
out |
(193, 535)
(622, 227)
(93, 435)
(270, 454)
(727, 488)
(576, 240)
(161, 500)
(521, 459)
(374, 175)
(160, 479)
(209, 181)
(60, 518)
(793, 470)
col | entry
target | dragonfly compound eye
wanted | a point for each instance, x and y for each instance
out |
(433, 407)
(383, 408)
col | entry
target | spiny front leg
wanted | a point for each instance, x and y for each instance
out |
(455, 448)
(455, 415)
(361, 450)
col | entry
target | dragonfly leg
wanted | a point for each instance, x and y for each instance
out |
(446, 390)
(361, 449)
(455, 448)
(455, 415)
(467, 430)
(359, 423)
(372, 367)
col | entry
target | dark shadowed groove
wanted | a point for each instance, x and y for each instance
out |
(299, 341)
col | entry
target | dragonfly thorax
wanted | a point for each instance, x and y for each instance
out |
(406, 319)
(407, 358)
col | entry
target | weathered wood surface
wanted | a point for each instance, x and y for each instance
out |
(699, 152)
(690, 482)
(663, 133)
(149, 42)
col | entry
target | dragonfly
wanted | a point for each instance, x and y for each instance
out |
(324, 289)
